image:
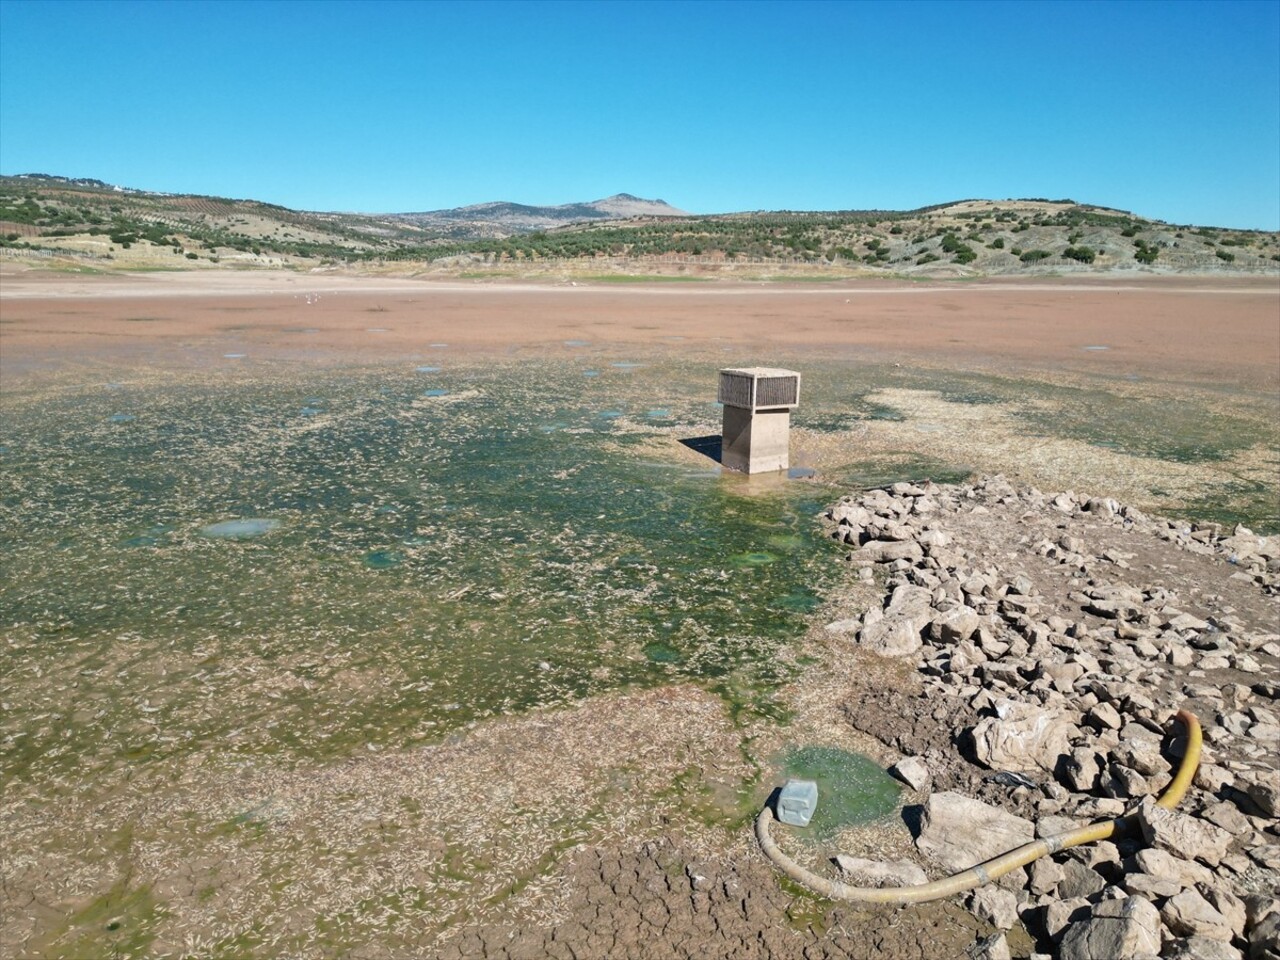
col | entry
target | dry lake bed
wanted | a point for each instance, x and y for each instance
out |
(363, 617)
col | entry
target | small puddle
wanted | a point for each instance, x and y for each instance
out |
(383, 559)
(852, 788)
(758, 558)
(658, 652)
(240, 529)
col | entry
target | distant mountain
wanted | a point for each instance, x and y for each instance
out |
(502, 219)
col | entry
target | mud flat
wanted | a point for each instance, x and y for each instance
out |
(1186, 329)
(390, 619)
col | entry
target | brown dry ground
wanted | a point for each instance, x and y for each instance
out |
(635, 845)
(1190, 329)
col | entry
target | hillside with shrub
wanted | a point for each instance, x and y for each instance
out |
(44, 217)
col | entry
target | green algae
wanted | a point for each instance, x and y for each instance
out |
(515, 568)
(852, 788)
(498, 546)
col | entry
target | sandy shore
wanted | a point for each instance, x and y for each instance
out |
(1225, 331)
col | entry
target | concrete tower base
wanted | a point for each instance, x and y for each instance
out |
(756, 441)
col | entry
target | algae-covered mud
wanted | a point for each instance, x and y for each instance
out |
(308, 563)
(311, 565)
(281, 638)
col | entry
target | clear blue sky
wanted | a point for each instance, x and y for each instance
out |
(1171, 110)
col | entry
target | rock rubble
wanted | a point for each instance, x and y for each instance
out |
(1063, 632)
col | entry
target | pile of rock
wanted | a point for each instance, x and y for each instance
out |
(1075, 664)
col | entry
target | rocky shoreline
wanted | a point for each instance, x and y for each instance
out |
(1020, 656)
(1055, 636)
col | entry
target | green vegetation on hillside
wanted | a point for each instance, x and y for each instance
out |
(92, 220)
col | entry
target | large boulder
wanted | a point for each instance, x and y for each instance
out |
(995, 906)
(1264, 793)
(958, 832)
(885, 551)
(1187, 837)
(898, 632)
(1190, 915)
(1022, 736)
(891, 636)
(955, 625)
(1115, 930)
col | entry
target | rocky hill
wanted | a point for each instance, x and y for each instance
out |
(44, 216)
(507, 219)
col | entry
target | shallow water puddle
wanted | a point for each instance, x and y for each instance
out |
(852, 788)
(240, 529)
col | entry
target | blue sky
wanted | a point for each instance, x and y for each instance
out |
(1171, 110)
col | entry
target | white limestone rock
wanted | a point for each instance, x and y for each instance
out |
(958, 832)
(1115, 930)
(881, 873)
(1021, 737)
(1187, 837)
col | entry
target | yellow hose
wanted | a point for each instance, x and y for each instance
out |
(996, 867)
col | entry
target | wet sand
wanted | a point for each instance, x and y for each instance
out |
(1224, 331)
